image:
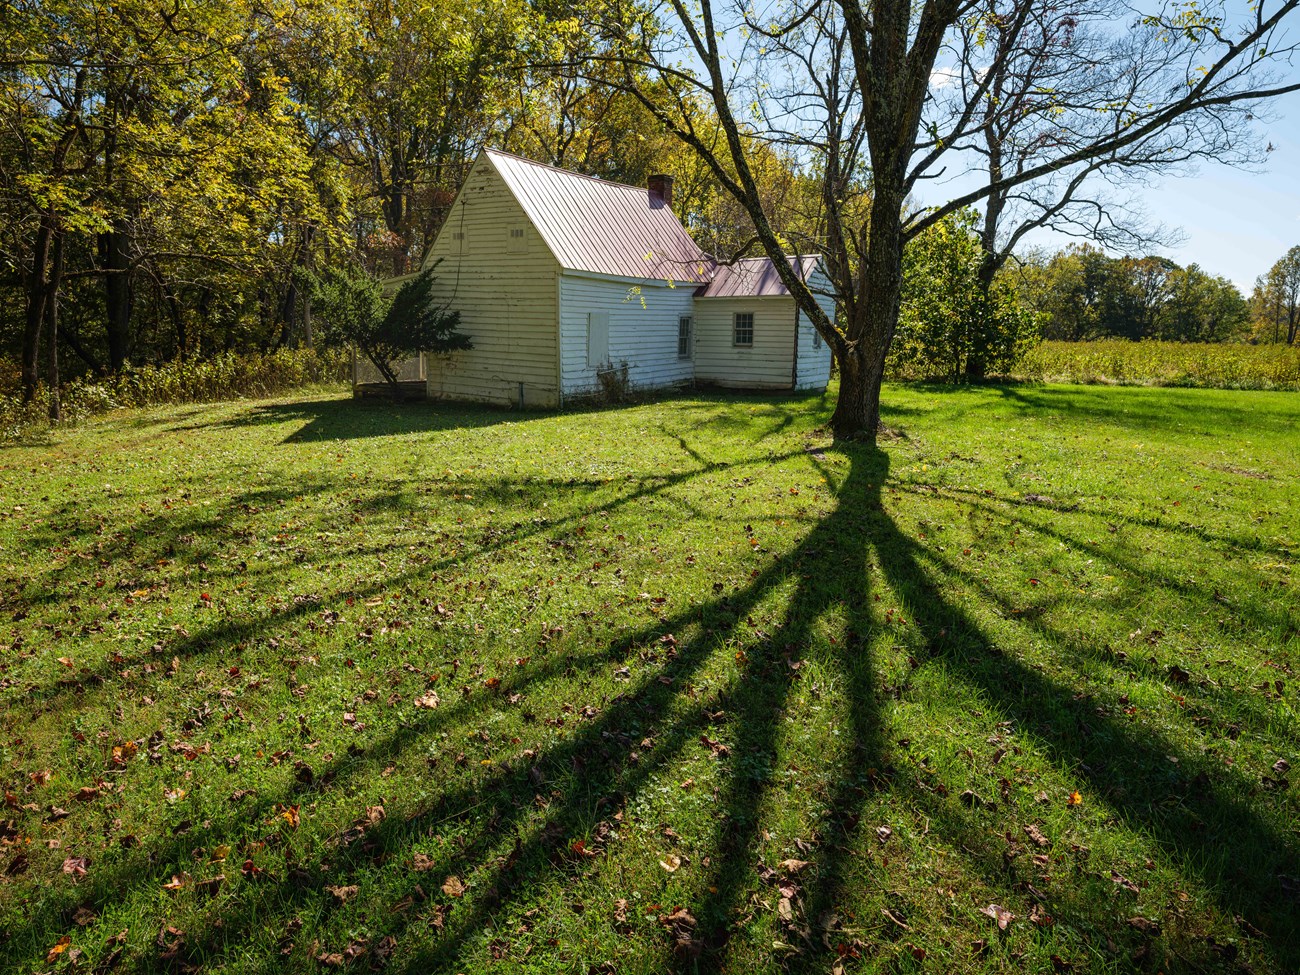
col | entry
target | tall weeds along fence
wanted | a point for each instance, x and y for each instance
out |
(222, 377)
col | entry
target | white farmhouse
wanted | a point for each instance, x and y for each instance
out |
(566, 283)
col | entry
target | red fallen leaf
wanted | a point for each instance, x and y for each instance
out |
(999, 914)
(1033, 582)
(1074, 799)
(233, 671)
(250, 869)
(206, 597)
(40, 778)
(452, 887)
(579, 848)
(76, 867)
(492, 683)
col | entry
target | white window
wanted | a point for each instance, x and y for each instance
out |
(517, 243)
(684, 337)
(742, 333)
(597, 339)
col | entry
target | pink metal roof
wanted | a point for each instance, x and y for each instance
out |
(754, 277)
(601, 227)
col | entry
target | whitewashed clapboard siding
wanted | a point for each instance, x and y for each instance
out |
(814, 353)
(768, 364)
(504, 287)
(642, 331)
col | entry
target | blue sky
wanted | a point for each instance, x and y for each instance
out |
(1238, 224)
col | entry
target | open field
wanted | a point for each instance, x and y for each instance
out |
(1113, 362)
(311, 684)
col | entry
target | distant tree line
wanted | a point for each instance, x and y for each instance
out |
(1081, 293)
(949, 319)
(1275, 302)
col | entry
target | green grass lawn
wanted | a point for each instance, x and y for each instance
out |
(311, 684)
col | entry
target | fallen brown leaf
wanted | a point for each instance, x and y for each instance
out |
(344, 894)
(999, 914)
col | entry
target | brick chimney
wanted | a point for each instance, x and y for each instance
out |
(661, 190)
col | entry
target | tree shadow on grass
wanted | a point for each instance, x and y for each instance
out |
(1209, 832)
(1162, 411)
(581, 781)
(1204, 825)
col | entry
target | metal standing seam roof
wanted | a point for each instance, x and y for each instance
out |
(754, 277)
(602, 227)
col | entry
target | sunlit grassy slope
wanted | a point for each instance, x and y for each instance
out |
(316, 684)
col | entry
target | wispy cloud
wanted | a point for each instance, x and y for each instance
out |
(944, 77)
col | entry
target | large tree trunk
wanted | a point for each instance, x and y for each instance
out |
(117, 295)
(178, 317)
(37, 286)
(52, 328)
(862, 358)
(857, 408)
(976, 364)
